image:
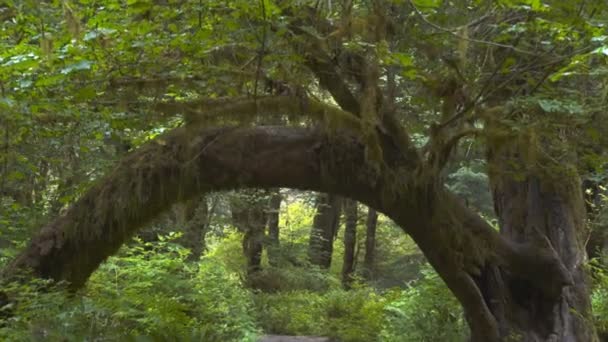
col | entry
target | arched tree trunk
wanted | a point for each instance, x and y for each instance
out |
(369, 260)
(350, 241)
(183, 163)
(324, 229)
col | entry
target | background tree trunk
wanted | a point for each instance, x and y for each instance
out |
(350, 240)
(324, 229)
(370, 243)
(274, 210)
(193, 217)
(249, 216)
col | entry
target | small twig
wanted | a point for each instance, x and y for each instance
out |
(463, 133)
(472, 40)
(262, 50)
(200, 14)
(6, 142)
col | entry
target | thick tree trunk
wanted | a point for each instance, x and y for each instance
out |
(350, 241)
(324, 229)
(542, 207)
(460, 245)
(369, 260)
(274, 210)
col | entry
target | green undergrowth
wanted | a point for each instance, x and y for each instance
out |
(149, 292)
(599, 296)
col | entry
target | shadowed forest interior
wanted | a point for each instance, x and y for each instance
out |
(304, 170)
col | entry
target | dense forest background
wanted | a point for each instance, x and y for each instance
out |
(374, 170)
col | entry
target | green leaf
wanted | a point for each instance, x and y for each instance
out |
(82, 65)
(99, 32)
(403, 59)
(427, 3)
(16, 175)
(6, 102)
(602, 50)
(49, 81)
(24, 61)
(535, 5)
(85, 93)
(548, 105)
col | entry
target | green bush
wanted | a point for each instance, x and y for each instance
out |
(149, 290)
(426, 311)
(349, 316)
(355, 315)
(599, 297)
(291, 313)
(293, 278)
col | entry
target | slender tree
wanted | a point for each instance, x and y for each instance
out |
(274, 209)
(324, 229)
(249, 216)
(369, 260)
(350, 241)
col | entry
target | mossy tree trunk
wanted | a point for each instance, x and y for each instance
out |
(350, 241)
(324, 229)
(543, 207)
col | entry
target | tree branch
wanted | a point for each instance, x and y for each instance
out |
(472, 40)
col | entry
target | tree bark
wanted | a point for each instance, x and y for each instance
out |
(542, 207)
(350, 240)
(324, 229)
(369, 260)
(185, 162)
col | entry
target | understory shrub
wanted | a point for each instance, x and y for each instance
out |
(146, 292)
(425, 311)
(149, 292)
(349, 316)
(599, 297)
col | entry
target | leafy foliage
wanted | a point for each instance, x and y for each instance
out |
(148, 290)
(425, 311)
(346, 315)
(599, 298)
